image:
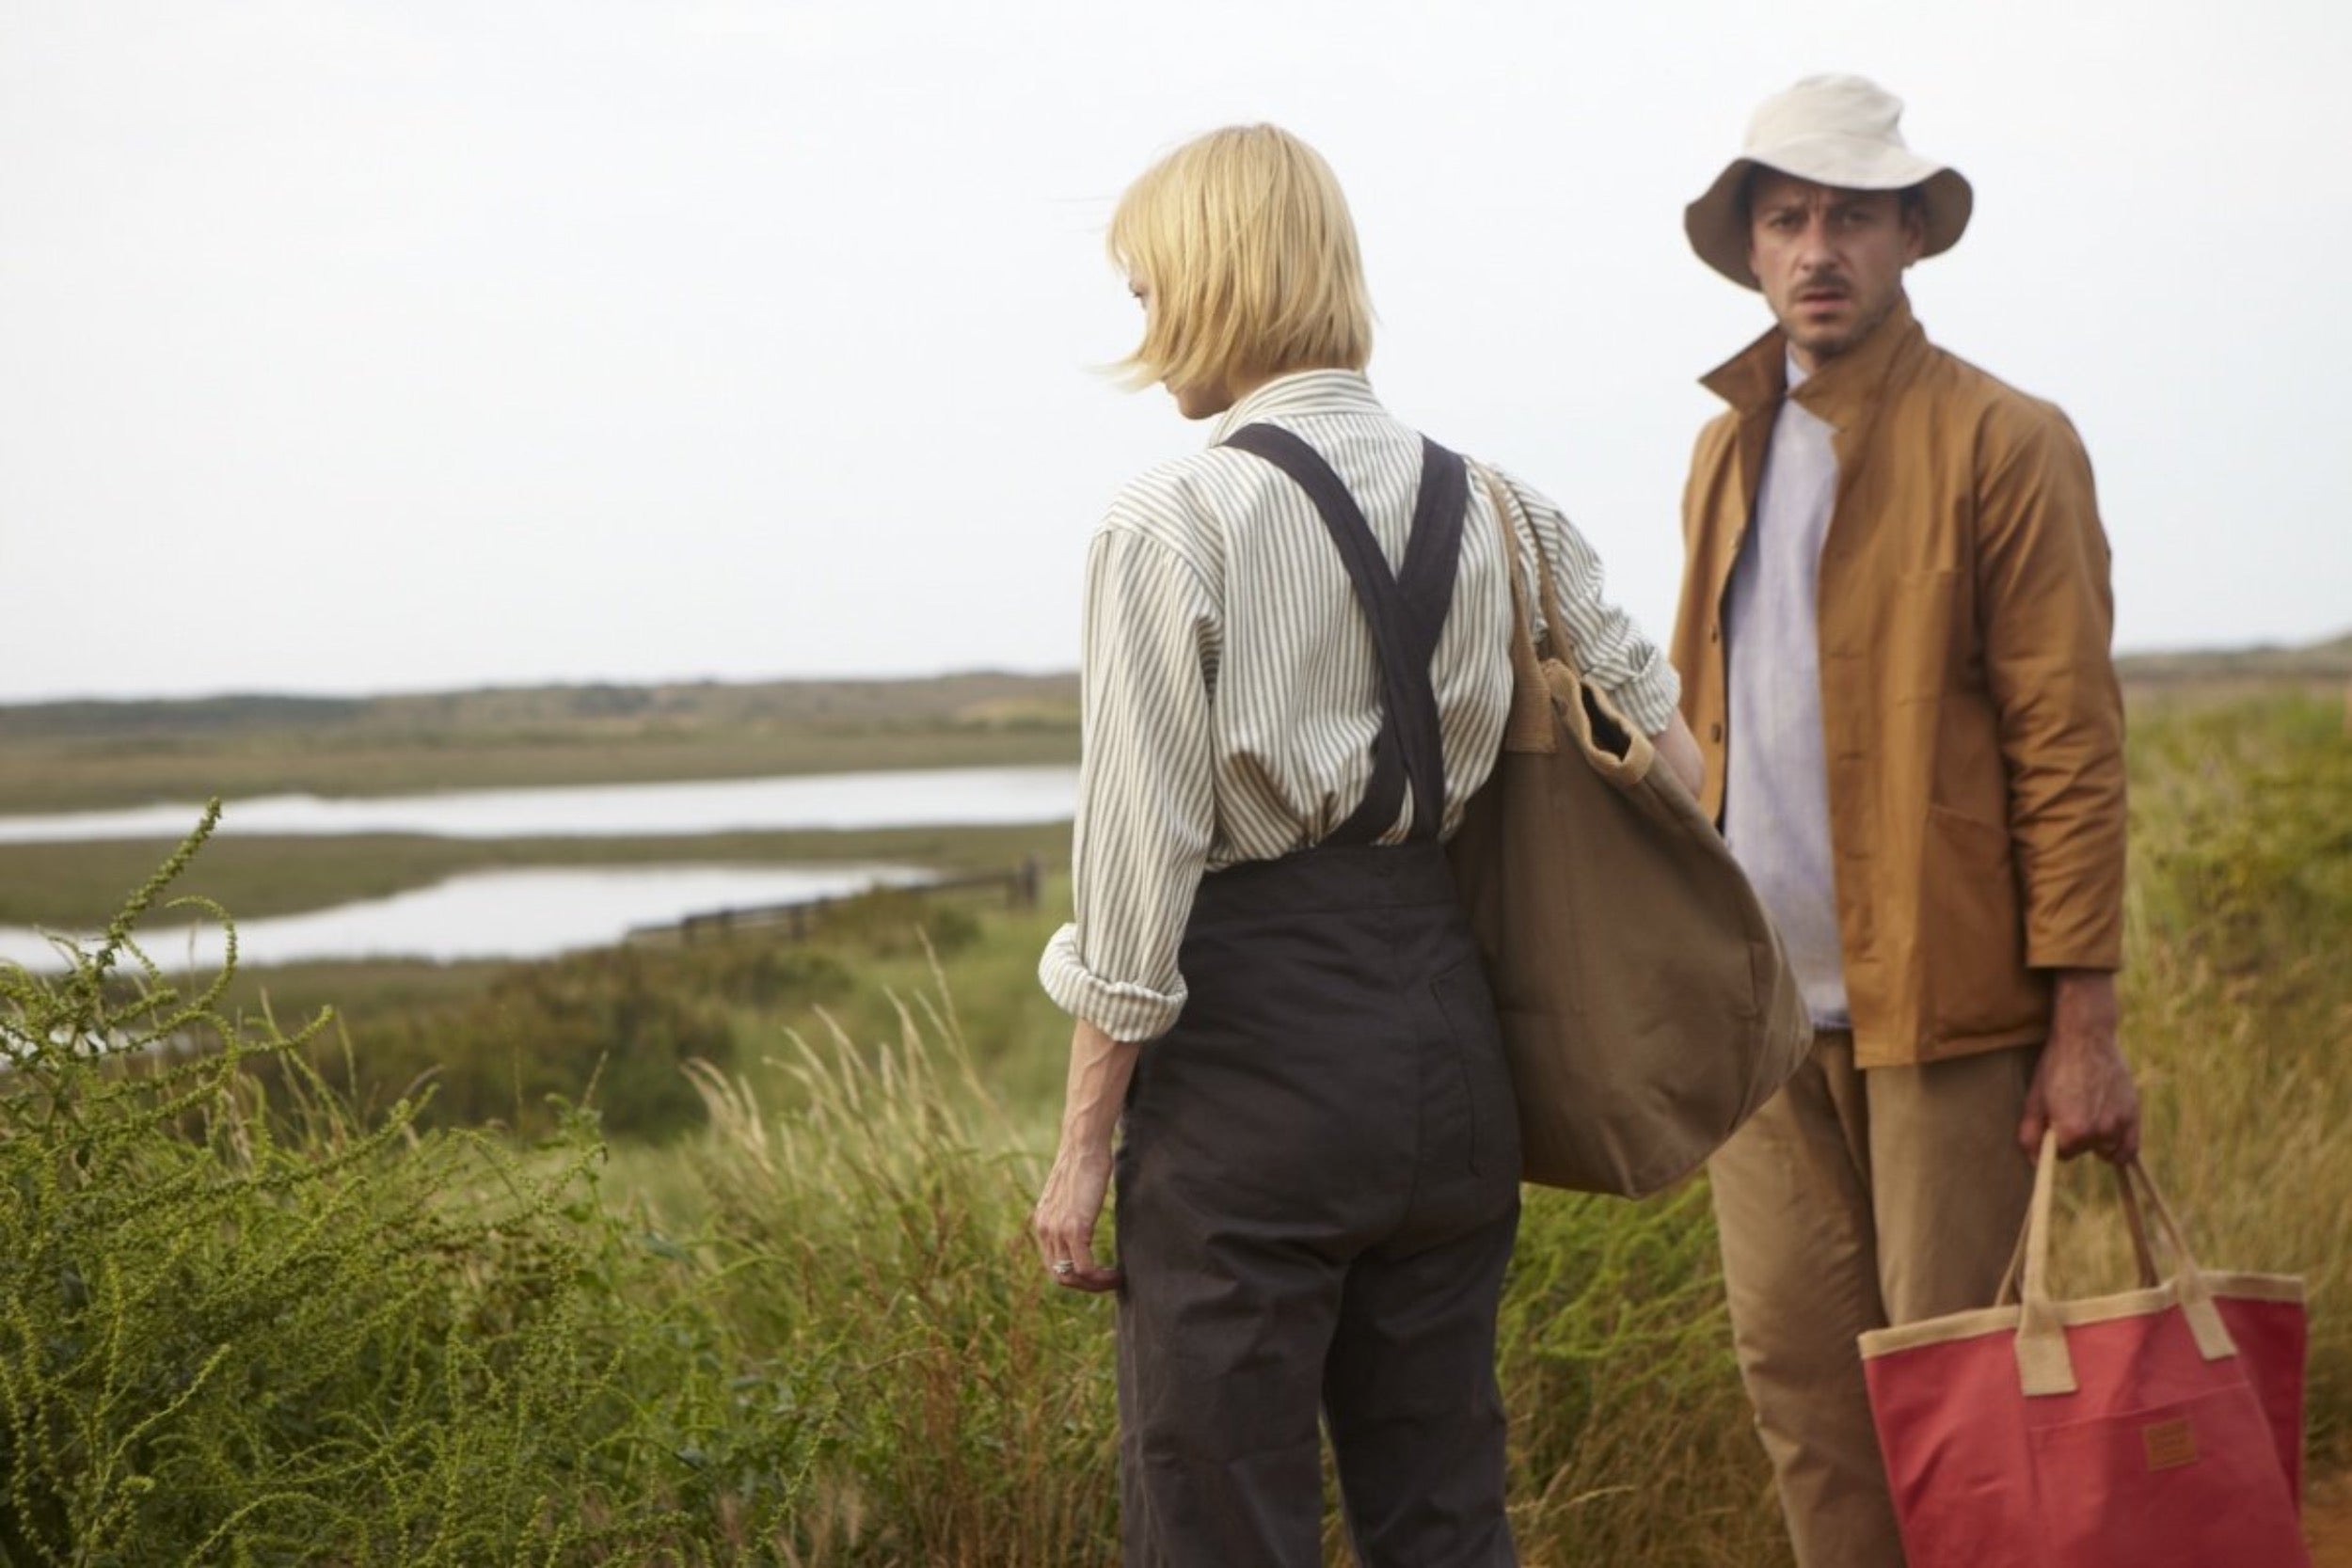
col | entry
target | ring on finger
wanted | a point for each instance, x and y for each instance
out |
(1064, 1266)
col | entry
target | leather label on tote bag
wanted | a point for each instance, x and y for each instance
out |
(2170, 1444)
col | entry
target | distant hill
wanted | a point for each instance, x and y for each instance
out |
(2313, 661)
(982, 698)
(83, 755)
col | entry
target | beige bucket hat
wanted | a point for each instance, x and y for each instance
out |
(1839, 131)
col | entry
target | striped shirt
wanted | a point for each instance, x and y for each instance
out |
(1230, 689)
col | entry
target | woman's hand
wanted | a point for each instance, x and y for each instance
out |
(1066, 1214)
(1072, 1203)
(1679, 749)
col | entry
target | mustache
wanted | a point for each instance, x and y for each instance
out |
(1825, 283)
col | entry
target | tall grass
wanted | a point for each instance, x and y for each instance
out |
(875, 1232)
(1631, 1438)
(812, 1333)
(876, 1235)
(2239, 1001)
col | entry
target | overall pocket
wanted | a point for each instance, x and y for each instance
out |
(1469, 1008)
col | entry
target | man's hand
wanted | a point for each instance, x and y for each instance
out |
(2083, 1087)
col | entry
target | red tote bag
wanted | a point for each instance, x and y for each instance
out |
(2161, 1428)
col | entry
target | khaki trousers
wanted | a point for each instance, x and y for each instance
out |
(1855, 1200)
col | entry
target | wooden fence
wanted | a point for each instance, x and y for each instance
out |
(796, 920)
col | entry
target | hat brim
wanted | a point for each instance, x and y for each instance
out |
(1718, 229)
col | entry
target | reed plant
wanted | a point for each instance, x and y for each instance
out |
(874, 1241)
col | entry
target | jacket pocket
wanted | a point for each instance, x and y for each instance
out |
(1972, 932)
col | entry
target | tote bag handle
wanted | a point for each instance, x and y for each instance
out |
(2044, 1366)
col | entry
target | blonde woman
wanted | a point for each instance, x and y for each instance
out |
(1296, 676)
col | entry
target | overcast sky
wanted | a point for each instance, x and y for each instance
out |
(413, 343)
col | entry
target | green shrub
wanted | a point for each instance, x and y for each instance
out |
(614, 1028)
(230, 1335)
(900, 923)
(611, 1028)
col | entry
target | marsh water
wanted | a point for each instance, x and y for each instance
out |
(958, 796)
(541, 911)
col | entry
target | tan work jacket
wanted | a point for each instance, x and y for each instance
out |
(1972, 724)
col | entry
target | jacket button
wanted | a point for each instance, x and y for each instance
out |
(1714, 731)
(1715, 633)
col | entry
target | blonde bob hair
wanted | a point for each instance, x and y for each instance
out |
(1245, 245)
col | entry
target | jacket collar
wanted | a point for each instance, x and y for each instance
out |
(1841, 391)
(1302, 392)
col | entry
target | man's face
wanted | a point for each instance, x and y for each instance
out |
(1831, 261)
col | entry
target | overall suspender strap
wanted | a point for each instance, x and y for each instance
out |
(1406, 611)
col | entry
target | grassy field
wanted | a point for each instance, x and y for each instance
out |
(797, 1322)
(76, 884)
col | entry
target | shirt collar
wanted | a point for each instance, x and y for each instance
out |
(1302, 392)
(1757, 376)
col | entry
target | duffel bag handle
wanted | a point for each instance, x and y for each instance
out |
(1552, 667)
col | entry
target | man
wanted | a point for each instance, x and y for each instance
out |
(1892, 636)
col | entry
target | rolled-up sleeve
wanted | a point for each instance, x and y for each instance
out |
(1146, 800)
(1613, 651)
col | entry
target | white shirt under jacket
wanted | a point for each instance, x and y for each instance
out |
(1230, 689)
(1776, 780)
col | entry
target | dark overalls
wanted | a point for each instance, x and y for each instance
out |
(1318, 1177)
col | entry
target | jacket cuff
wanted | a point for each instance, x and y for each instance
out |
(2101, 956)
(1123, 1010)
